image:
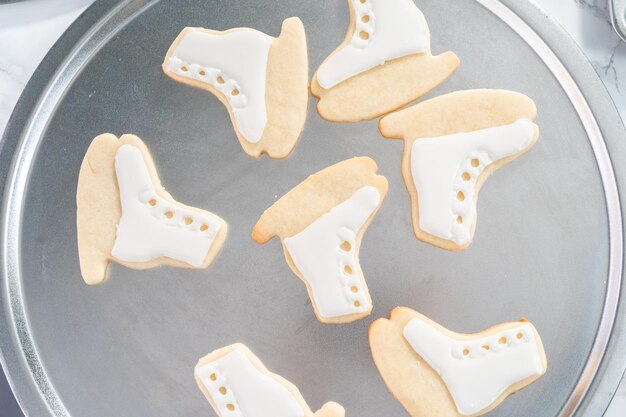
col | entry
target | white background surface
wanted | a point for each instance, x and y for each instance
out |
(29, 29)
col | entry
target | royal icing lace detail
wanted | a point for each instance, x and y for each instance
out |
(325, 253)
(171, 215)
(477, 371)
(225, 85)
(216, 383)
(492, 345)
(463, 208)
(365, 23)
(150, 226)
(239, 389)
(347, 269)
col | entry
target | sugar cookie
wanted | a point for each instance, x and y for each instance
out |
(435, 372)
(320, 223)
(383, 63)
(452, 143)
(261, 80)
(124, 214)
(237, 384)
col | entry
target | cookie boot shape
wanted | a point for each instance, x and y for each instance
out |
(383, 63)
(125, 215)
(237, 384)
(321, 223)
(435, 372)
(452, 143)
(261, 80)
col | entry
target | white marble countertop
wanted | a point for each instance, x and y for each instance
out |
(29, 29)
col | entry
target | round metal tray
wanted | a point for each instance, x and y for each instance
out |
(548, 246)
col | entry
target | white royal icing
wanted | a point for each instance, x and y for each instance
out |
(152, 227)
(391, 28)
(477, 371)
(330, 270)
(239, 389)
(445, 170)
(235, 63)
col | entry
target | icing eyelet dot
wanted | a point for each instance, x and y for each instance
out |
(465, 352)
(502, 340)
(364, 35)
(466, 176)
(519, 336)
(152, 202)
(365, 18)
(357, 303)
(213, 377)
(188, 220)
(168, 214)
(475, 162)
(230, 407)
(204, 228)
(220, 80)
(202, 73)
(222, 390)
(184, 69)
(363, 1)
(346, 246)
(348, 269)
(485, 347)
(459, 219)
(460, 196)
(234, 92)
(354, 288)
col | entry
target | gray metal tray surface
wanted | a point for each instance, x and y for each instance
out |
(548, 245)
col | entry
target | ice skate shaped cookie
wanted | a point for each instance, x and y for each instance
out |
(261, 80)
(452, 143)
(321, 223)
(237, 384)
(125, 215)
(435, 372)
(383, 63)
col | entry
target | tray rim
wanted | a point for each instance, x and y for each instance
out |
(103, 19)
